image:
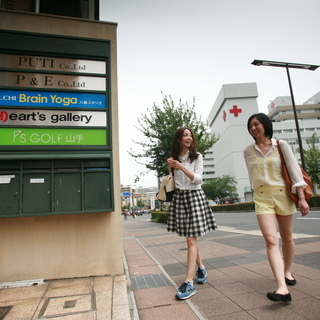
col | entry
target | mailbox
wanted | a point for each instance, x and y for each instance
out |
(33, 187)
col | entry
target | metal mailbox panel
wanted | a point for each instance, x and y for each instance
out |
(68, 191)
(9, 190)
(97, 190)
(36, 195)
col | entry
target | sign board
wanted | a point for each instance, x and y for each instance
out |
(74, 118)
(51, 81)
(52, 137)
(63, 65)
(56, 99)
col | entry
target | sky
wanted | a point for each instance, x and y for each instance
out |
(189, 49)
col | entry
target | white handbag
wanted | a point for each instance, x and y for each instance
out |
(167, 188)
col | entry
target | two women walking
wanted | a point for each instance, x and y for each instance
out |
(190, 215)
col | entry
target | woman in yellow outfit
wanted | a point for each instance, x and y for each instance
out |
(272, 203)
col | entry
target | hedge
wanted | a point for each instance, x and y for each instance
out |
(162, 216)
(159, 216)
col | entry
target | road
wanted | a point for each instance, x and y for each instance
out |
(246, 221)
(309, 224)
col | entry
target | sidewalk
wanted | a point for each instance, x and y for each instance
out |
(90, 298)
(239, 275)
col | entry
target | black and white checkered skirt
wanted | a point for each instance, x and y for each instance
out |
(190, 214)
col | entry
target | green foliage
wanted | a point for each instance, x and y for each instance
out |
(221, 187)
(162, 216)
(312, 160)
(314, 201)
(140, 203)
(158, 126)
(159, 216)
(240, 207)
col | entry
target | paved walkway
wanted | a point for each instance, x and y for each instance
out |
(68, 299)
(239, 275)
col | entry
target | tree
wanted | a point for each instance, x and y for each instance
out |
(312, 160)
(140, 203)
(221, 187)
(158, 126)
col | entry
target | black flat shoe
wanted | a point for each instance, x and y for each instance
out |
(273, 296)
(292, 282)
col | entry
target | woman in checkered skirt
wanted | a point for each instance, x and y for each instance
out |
(190, 215)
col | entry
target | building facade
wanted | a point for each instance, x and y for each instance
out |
(81, 239)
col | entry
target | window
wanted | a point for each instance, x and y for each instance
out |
(70, 8)
(19, 5)
(84, 9)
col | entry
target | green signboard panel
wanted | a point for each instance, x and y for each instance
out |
(52, 137)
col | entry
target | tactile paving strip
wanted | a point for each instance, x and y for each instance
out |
(150, 281)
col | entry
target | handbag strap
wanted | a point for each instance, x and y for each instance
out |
(280, 151)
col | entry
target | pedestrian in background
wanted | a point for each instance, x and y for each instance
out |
(125, 213)
(190, 215)
(273, 205)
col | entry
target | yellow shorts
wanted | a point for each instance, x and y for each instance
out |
(273, 200)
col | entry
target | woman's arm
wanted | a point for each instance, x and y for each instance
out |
(179, 166)
(169, 161)
(302, 203)
(292, 166)
(298, 184)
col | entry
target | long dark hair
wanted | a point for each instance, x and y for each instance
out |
(175, 147)
(265, 121)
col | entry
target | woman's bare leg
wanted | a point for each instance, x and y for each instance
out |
(192, 258)
(285, 229)
(268, 226)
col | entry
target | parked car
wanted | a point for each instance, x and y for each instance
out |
(139, 212)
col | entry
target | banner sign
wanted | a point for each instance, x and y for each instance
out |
(51, 81)
(23, 117)
(52, 64)
(52, 99)
(52, 137)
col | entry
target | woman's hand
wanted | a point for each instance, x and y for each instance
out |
(178, 166)
(174, 164)
(303, 207)
(303, 204)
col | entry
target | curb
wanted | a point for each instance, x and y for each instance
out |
(134, 315)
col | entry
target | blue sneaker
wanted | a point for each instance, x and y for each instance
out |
(201, 275)
(185, 291)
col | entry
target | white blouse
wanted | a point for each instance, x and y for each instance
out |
(182, 182)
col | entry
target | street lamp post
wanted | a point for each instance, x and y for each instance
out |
(288, 65)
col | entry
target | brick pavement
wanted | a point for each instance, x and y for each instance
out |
(239, 275)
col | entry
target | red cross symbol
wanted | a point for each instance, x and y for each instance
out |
(235, 110)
